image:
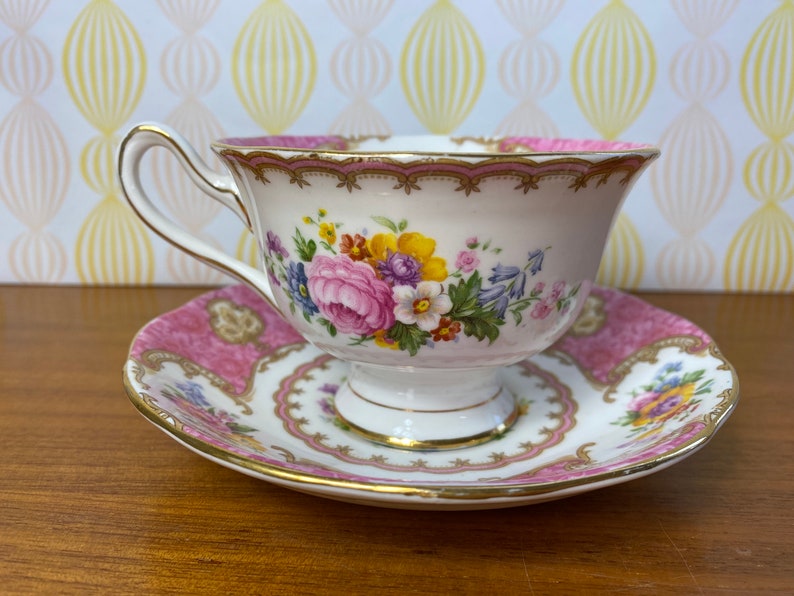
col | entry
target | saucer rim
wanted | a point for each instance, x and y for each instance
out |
(465, 492)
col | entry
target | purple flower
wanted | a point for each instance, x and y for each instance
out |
(400, 269)
(330, 388)
(327, 407)
(535, 261)
(669, 404)
(275, 246)
(503, 273)
(297, 284)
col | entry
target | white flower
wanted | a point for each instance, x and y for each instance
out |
(422, 305)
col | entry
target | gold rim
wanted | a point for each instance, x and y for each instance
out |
(435, 444)
(462, 492)
(640, 149)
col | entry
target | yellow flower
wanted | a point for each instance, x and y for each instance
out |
(307, 220)
(322, 212)
(328, 232)
(421, 248)
(667, 405)
(380, 245)
(385, 342)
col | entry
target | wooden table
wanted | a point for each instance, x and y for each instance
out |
(94, 499)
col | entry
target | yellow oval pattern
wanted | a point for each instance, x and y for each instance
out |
(442, 68)
(104, 68)
(613, 69)
(622, 264)
(274, 66)
(104, 65)
(761, 254)
(769, 171)
(113, 247)
(766, 74)
(612, 72)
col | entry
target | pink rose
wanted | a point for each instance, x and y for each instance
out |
(557, 290)
(542, 309)
(349, 295)
(467, 261)
(640, 401)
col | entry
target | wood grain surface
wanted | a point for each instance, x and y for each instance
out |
(94, 499)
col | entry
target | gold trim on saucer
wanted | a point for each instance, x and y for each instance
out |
(435, 444)
(436, 495)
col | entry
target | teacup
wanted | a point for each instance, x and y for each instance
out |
(429, 263)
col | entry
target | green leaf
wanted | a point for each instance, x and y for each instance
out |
(482, 325)
(692, 377)
(463, 296)
(517, 317)
(409, 337)
(402, 225)
(385, 221)
(705, 387)
(305, 248)
(240, 428)
(329, 326)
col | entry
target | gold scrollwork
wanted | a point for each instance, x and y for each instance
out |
(235, 323)
(408, 173)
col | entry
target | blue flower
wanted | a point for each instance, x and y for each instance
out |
(296, 283)
(501, 307)
(535, 261)
(668, 368)
(490, 294)
(193, 393)
(495, 294)
(667, 384)
(503, 273)
(517, 287)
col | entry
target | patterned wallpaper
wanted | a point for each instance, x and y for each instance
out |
(710, 81)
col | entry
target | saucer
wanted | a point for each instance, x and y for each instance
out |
(630, 390)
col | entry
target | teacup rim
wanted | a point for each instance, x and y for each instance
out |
(494, 145)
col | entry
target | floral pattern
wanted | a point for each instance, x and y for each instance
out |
(669, 396)
(171, 378)
(391, 287)
(196, 409)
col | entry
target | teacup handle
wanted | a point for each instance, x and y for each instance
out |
(220, 187)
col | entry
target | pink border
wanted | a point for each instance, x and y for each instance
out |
(566, 417)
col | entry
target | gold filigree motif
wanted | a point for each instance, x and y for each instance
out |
(154, 359)
(650, 353)
(591, 319)
(235, 323)
(408, 173)
(561, 408)
(568, 462)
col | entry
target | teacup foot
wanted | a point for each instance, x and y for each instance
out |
(426, 409)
